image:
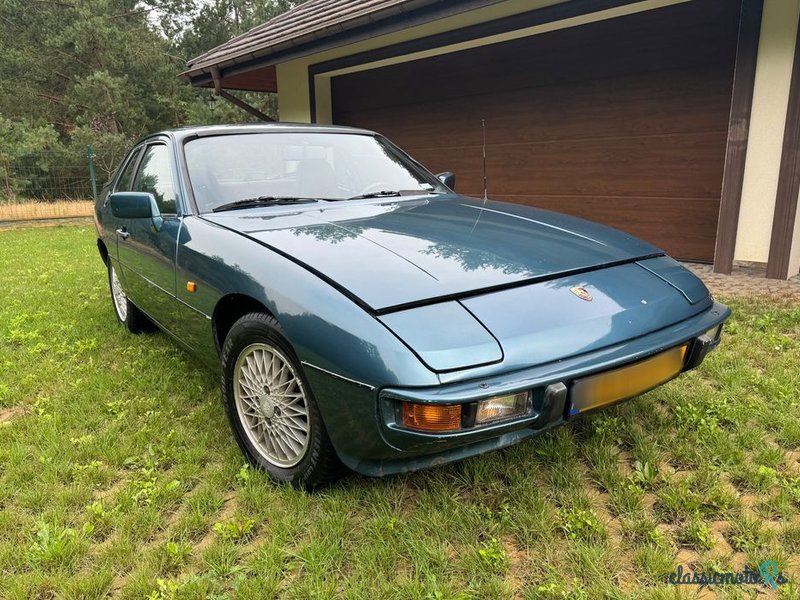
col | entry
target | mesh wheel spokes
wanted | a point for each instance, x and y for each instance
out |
(118, 296)
(271, 403)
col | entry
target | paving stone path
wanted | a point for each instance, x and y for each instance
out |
(746, 280)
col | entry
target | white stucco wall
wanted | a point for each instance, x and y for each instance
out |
(794, 258)
(293, 106)
(767, 122)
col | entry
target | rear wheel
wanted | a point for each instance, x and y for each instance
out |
(270, 406)
(127, 312)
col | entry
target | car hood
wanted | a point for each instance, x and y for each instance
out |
(388, 254)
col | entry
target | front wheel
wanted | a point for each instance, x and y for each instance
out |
(271, 408)
(127, 312)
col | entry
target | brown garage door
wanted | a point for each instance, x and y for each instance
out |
(622, 121)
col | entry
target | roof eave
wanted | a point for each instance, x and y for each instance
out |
(198, 72)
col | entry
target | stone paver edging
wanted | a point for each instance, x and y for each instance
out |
(746, 280)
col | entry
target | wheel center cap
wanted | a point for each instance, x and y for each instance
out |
(267, 405)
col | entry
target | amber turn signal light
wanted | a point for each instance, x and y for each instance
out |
(432, 417)
(191, 287)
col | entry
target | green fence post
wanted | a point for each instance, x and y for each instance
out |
(92, 173)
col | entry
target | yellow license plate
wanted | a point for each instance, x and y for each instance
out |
(599, 390)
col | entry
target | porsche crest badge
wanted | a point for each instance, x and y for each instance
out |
(581, 293)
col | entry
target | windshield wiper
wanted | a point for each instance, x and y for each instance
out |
(389, 193)
(263, 201)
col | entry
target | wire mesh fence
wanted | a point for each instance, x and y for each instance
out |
(45, 176)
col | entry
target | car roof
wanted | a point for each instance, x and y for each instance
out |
(183, 133)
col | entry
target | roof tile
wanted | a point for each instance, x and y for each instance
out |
(314, 18)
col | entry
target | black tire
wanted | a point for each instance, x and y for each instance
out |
(313, 462)
(127, 313)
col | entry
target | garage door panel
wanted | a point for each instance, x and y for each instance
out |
(687, 103)
(669, 223)
(653, 41)
(620, 108)
(634, 108)
(660, 165)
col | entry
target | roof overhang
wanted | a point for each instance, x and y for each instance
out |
(248, 61)
(258, 79)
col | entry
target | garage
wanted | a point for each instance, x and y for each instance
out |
(621, 121)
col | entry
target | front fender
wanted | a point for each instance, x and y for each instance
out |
(342, 347)
(324, 327)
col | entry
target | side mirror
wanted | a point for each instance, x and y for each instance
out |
(447, 178)
(136, 205)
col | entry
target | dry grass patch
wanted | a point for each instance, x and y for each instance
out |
(7, 414)
(23, 211)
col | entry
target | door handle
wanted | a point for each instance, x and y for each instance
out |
(123, 233)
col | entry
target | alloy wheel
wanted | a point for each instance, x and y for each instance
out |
(271, 404)
(119, 297)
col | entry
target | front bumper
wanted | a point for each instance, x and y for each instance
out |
(406, 450)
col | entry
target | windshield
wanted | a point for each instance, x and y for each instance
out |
(226, 169)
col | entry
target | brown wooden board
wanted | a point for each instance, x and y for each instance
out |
(780, 246)
(738, 134)
(623, 121)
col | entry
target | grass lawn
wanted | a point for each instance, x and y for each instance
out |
(118, 474)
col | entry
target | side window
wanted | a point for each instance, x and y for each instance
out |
(125, 180)
(155, 176)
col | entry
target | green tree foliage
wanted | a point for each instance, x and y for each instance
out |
(106, 72)
(218, 21)
(24, 143)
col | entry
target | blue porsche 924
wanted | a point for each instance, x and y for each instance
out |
(362, 313)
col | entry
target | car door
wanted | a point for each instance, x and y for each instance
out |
(147, 247)
(123, 183)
